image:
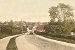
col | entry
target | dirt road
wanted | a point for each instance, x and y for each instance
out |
(23, 44)
(32, 42)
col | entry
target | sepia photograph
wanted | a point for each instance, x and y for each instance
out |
(37, 24)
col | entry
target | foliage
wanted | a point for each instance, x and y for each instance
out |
(61, 12)
(53, 13)
(55, 28)
(64, 15)
(9, 28)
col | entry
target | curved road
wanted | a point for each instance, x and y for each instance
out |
(32, 42)
(4, 42)
(23, 43)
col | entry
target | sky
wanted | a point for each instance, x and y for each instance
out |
(29, 10)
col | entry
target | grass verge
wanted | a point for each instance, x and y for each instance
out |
(12, 44)
(60, 39)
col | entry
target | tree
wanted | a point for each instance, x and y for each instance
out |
(11, 23)
(64, 14)
(53, 13)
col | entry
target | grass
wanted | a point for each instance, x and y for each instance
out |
(3, 35)
(12, 44)
(60, 39)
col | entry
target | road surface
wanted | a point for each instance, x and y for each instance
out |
(23, 44)
(4, 42)
(31, 42)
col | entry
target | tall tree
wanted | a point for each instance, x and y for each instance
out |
(53, 13)
(64, 13)
(61, 12)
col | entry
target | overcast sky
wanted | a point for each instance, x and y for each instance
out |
(28, 10)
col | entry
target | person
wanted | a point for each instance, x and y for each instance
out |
(33, 30)
(28, 31)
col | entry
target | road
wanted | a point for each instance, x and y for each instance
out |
(31, 42)
(4, 42)
(23, 43)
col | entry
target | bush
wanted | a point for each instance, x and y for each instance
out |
(16, 30)
(57, 29)
(6, 29)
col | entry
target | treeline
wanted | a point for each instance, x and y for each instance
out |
(62, 24)
(59, 28)
(10, 28)
(62, 19)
